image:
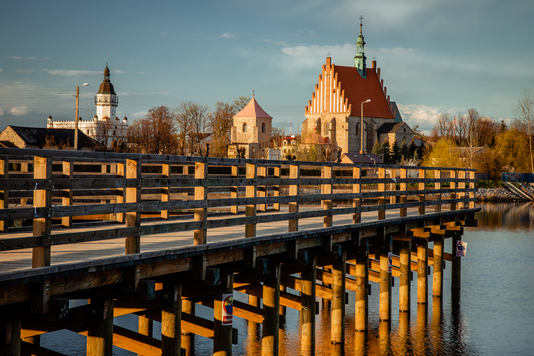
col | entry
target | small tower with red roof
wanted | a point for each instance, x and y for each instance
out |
(251, 132)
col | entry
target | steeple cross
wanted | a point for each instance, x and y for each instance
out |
(361, 18)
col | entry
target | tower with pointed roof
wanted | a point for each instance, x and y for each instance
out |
(359, 59)
(251, 132)
(106, 100)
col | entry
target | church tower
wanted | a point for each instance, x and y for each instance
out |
(359, 59)
(106, 100)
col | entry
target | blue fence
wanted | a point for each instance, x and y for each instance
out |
(518, 177)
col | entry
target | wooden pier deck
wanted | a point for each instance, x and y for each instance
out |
(196, 229)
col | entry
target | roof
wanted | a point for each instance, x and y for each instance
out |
(355, 158)
(253, 109)
(7, 144)
(358, 89)
(36, 136)
(106, 87)
(390, 127)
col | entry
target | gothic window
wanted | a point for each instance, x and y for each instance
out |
(244, 127)
(263, 127)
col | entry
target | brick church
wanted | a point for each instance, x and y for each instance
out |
(334, 112)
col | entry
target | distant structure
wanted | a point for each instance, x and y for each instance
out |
(333, 114)
(251, 132)
(105, 127)
(39, 138)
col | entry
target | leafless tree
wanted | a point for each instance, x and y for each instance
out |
(154, 134)
(220, 124)
(240, 103)
(524, 112)
(192, 121)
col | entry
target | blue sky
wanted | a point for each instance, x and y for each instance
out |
(435, 56)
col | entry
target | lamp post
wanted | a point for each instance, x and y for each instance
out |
(361, 133)
(77, 118)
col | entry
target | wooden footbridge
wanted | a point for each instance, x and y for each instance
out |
(87, 236)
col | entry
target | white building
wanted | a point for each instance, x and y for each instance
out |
(105, 126)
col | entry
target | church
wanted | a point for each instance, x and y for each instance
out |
(335, 110)
(105, 127)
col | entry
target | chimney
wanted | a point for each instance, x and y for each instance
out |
(385, 91)
(388, 100)
(374, 65)
(382, 83)
(378, 73)
(328, 61)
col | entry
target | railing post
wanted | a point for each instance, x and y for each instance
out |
(294, 173)
(262, 189)
(42, 198)
(276, 188)
(234, 190)
(271, 314)
(437, 186)
(201, 193)
(393, 186)
(382, 189)
(326, 173)
(452, 187)
(250, 210)
(461, 185)
(307, 309)
(4, 194)
(119, 198)
(357, 188)
(165, 190)
(422, 188)
(403, 187)
(133, 195)
(66, 199)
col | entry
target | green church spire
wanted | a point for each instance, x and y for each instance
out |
(359, 59)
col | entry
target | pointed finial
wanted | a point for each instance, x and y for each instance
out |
(252, 93)
(361, 18)
(328, 54)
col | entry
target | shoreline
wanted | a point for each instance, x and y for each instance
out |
(498, 194)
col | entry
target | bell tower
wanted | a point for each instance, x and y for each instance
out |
(106, 100)
(359, 59)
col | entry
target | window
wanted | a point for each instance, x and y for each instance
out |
(244, 127)
(263, 128)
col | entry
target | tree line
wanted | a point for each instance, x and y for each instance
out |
(483, 143)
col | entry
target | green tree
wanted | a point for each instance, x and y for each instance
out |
(404, 151)
(444, 154)
(386, 157)
(395, 153)
(377, 149)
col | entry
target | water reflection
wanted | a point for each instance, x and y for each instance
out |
(513, 216)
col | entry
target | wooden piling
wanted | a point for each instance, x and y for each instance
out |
(307, 309)
(171, 320)
(405, 276)
(338, 300)
(100, 332)
(188, 339)
(362, 292)
(385, 286)
(437, 277)
(456, 274)
(222, 334)
(271, 314)
(422, 272)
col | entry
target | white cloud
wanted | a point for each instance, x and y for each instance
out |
(72, 72)
(424, 115)
(139, 114)
(19, 110)
(1, 70)
(26, 71)
(228, 35)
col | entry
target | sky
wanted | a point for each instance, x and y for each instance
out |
(436, 56)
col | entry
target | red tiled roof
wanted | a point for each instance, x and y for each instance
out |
(358, 89)
(253, 109)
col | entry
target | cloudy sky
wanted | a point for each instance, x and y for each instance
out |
(435, 55)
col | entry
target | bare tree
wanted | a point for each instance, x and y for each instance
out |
(461, 129)
(442, 127)
(154, 134)
(192, 121)
(220, 123)
(524, 112)
(240, 103)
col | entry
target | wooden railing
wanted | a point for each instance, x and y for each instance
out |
(45, 190)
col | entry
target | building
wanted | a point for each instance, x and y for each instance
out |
(334, 112)
(105, 127)
(40, 137)
(251, 132)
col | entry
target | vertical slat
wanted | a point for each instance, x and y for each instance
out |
(356, 188)
(42, 198)
(250, 209)
(461, 185)
(294, 173)
(437, 186)
(262, 189)
(66, 199)
(201, 193)
(165, 190)
(382, 189)
(133, 195)
(472, 186)
(393, 186)
(4, 194)
(422, 187)
(453, 186)
(403, 187)
(234, 190)
(120, 192)
(276, 188)
(326, 173)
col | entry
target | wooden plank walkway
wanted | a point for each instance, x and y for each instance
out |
(17, 260)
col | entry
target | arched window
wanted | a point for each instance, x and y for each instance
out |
(244, 127)
(263, 127)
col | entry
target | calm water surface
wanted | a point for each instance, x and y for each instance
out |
(491, 315)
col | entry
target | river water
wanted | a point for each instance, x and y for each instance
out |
(493, 314)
